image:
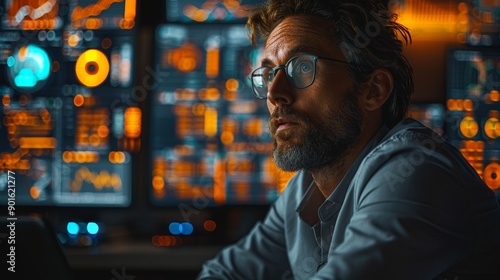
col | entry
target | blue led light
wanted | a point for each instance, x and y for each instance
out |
(72, 228)
(174, 228)
(186, 228)
(92, 228)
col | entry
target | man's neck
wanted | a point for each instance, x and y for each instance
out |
(329, 176)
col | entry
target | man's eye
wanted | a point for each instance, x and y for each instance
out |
(270, 76)
(303, 68)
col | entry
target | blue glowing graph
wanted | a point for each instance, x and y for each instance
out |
(29, 67)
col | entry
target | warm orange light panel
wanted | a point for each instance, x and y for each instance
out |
(37, 142)
(428, 16)
(212, 66)
(130, 6)
(132, 119)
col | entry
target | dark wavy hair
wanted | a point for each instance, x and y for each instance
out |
(366, 32)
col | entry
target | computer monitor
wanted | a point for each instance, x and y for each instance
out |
(70, 117)
(209, 135)
(473, 108)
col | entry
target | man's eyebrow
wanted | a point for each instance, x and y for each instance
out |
(300, 49)
(266, 62)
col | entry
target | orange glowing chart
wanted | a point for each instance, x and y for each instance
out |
(492, 128)
(491, 175)
(469, 127)
(92, 68)
(32, 14)
(103, 14)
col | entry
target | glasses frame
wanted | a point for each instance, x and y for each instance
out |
(275, 69)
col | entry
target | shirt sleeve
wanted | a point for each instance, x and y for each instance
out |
(410, 221)
(261, 254)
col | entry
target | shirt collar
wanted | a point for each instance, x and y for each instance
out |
(313, 199)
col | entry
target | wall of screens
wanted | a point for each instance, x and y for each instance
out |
(73, 115)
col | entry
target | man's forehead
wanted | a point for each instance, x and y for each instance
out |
(299, 34)
(302, 25)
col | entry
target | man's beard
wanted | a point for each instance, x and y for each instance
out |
(322, 143)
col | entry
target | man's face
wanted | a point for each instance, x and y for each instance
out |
(314, 126)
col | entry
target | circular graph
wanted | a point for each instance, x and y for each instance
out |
(469, 127)
(29, 68)
(491, 175)
(492, 128)
(92, 68)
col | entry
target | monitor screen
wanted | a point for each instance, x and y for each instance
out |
(209, 134)
(473, 108)
(70, 123)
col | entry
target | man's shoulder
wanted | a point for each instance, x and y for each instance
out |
(411, 141)
(410, 134)
(410, 128)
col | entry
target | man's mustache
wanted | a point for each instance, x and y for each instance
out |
(285, 114)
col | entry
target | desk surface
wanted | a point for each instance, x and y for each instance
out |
(141, 256)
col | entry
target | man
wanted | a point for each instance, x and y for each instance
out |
(375, 196)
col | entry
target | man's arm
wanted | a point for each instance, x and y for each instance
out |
(261, 254)
(409, 222)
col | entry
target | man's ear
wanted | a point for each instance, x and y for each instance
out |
(379, 88)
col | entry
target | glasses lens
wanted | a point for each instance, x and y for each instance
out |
(260, 81)
(302, 70)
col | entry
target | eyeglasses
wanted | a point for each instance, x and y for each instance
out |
(300, 71)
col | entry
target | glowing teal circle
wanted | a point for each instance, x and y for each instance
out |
(92, 228)
(72, 228)
(29, 67)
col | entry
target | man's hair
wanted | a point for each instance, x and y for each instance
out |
(366, 32)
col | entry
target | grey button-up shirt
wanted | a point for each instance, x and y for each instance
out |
(410, 207)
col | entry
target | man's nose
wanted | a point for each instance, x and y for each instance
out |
(280, 89)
